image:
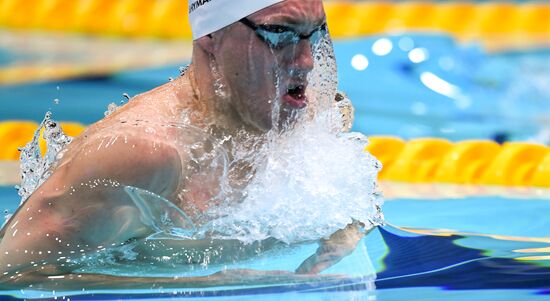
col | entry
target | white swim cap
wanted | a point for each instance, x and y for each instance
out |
(207, 16)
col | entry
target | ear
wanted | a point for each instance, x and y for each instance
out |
(206, 43)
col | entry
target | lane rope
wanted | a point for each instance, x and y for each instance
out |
(422, 160)
(526, 22)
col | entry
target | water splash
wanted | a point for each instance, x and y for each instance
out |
(346, 110)
(183, 70)
(36, 169)
(111, 108)
(312, 183)
(220, 88)
(307, 179)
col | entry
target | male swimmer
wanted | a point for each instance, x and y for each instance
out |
(244, 55)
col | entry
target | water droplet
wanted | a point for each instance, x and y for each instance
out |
(56, 101)
(34, 167)
(111, 108)
(183, 70)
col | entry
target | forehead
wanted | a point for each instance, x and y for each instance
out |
(294, 12)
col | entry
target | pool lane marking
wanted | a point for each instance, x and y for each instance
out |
(435, 270)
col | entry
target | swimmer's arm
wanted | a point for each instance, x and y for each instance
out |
(72, 212)
(339, 245)
(74, 282)
(216, 251)
(144, 163)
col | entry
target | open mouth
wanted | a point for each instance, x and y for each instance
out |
(296, 96)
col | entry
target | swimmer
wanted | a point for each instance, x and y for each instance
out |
(85, 207)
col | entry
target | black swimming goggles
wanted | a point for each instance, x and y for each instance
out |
(281, 36)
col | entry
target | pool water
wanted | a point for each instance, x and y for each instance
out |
(478, 247)
(486, 247)
(431, 86)
(449, 90)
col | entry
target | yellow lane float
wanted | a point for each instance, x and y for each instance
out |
(466, 161)
(515, 164)
(542, 174)
(16, 134)
(431, 160)
(168, 18)
(386, 149)
(422, 160)
(418, 160)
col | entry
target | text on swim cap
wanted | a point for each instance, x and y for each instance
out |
(196, 4)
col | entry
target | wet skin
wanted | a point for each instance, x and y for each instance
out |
(255, 76)
(83, 208)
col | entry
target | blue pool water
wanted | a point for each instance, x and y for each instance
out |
(452, 91)
(431, 249)
(489, 247)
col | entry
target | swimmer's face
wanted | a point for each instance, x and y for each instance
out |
(265, 60)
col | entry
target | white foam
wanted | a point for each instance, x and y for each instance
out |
(313, 183)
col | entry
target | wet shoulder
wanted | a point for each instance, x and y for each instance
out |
(163, 104)
(146, 141)
(133, 156)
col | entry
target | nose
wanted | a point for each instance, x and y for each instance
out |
(301, 57)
